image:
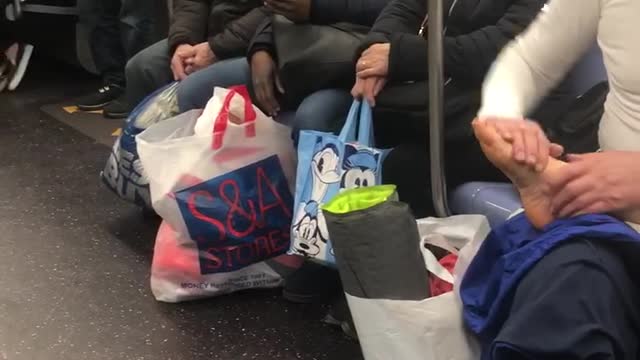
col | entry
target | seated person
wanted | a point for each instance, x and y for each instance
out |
(581, 300)
(396, 53)
(324, 110)
(206, 44)
(117, 31)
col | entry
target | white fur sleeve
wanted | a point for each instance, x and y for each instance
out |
(531, 65)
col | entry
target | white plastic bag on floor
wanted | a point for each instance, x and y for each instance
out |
(431, 329)
(223, 183)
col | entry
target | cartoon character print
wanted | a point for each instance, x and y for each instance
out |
(360, 167)
(310, 229)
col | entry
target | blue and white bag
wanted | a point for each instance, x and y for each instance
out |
(327, 165)
(123, 172)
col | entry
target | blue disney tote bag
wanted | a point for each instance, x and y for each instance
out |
(327, 165)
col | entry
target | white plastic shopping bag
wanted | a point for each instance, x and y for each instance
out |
(433, 328)
(223, 183)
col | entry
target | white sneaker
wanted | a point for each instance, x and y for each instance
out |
(19, 56)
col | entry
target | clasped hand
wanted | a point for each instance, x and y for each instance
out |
(372, 70)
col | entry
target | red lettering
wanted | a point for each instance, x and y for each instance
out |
(250, 253)
(262, 178)
(193, 209)
(235, 208)
(228, 251)
(262, 245)
(213, 261)
(279, 240)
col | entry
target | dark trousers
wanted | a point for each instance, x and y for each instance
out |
(119, 29)
(580, 302)
(408, 165)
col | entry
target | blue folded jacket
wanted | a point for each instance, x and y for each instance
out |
(510, 251)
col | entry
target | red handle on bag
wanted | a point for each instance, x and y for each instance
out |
(221, 122)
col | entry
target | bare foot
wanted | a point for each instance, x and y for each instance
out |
(533, 191)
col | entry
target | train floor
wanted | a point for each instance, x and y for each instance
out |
(74, 260)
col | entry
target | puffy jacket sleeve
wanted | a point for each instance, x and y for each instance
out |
(263, 39)
(235, 39)
(399, 17)
(190, 22)
(468, 57)
(361, 12)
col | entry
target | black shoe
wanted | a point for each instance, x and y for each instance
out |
(117, 109)
(312, 283)
(340, 315)
(99, 99)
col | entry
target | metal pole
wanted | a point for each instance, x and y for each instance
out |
(436, 107)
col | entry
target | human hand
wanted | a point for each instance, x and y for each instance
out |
(295, 10)
(368, 88)
(203, 57)
(374, 61)
(264, 77)
(605, 182)
(529, 142)
(180, 55)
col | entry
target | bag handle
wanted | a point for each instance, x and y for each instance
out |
(348, 132)
(365, 127)
(359, 119)
(222, 120)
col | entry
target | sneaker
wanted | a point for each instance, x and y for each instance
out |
(99, 99)
(340, 316)
(18, 56)
(312, 283)
(117, 109)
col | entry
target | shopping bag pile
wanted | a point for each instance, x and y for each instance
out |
(123, 172)
(386, 265)
(327, 165)
(222, 180)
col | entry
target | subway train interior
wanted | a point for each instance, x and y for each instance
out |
(203, 179)
(75, 259)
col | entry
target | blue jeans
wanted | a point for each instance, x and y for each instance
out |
(324, 110)
(195, 91)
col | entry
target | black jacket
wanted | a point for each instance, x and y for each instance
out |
(476, 31)
(228, 25)
(360, 12)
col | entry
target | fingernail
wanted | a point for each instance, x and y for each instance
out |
(531, 159)
(539, 168)
(520, 156)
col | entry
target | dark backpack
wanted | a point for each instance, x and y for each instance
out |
(577, 128)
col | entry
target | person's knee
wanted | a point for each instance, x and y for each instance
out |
(193, 92)
(323, 112)
(134, 69)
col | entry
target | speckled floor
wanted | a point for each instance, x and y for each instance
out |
(74, 261)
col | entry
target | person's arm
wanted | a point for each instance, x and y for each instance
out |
(361, 12)
(466, 57)
(262, 39)
(399, 16)
(237, 36)
(535, 62)
(189, 23)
